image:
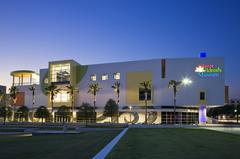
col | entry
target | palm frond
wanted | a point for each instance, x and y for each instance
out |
(146, 85)
(93, 88)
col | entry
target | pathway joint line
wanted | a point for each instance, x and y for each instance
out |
(107, 149)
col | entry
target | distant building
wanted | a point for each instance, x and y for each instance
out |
(204, 80)
(2, 94)
(234, 101)
(3, 89)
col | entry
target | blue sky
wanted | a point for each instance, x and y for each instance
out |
(34, 32)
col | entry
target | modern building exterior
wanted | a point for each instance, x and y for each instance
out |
(203, 86)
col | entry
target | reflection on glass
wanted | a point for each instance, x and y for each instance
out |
(62, 96)
(60, 72)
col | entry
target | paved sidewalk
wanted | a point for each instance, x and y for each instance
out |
(107, 149)
(232, 130)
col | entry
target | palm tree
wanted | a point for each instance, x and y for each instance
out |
(146, 86)
(52, 89)
(86, 113)
(13, 94)
(116, 88)
(94, 89)
(42, 112)
(71, 90)
(32, 88)
(174, 85)
(22, 113)
(5, 112)
(111, 109)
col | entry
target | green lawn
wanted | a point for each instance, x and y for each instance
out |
(176, 144)
(80, 146)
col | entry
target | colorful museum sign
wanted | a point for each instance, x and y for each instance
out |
(208, 70)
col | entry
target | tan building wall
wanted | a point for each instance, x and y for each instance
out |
(133, 80)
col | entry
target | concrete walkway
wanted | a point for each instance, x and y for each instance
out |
(62, 132)
(107, 149)
(12, 133)
(232, 130)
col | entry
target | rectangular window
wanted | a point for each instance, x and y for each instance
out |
(60, 73)
(163, 63)
(104, 77)
(62, 96)
(202, 96)
(93, 77)
(142, 94)
(116, 76)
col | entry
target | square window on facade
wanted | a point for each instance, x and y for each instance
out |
(142, 94)
(202, 96)
(93, 77)
(104, 77)
(116, 76)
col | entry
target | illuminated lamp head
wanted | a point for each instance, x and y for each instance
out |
(186, 81)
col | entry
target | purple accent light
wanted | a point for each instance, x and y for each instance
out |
(202, 114)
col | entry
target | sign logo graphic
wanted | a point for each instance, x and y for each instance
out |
(208, 70)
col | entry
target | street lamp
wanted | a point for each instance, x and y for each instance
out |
(236, 111)
(186, 81)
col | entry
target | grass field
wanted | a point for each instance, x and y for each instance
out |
(176, 144)
(81, 146)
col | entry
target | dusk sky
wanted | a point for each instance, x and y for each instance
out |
(34, 32)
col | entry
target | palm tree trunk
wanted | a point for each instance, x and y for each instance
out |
(174, 103)
(72, 107)
(145, 107)
(32, 106)
(94, 107)
(118, 108)
(174, 111)
(52, 96)
(94, 103)
(145, 111)
(13, 112)
(51, 108)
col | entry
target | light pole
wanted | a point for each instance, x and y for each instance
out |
(130, 114)
(236, 111)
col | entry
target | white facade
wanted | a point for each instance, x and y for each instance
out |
(176, 69)
(210, 81)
